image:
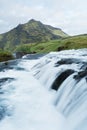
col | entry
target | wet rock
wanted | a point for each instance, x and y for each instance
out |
(84, 66)
(3, 80)
(58, 81)
(61, 48)
(20, 54)
(33, 56)
(8, 64)
(67, 61)
(80, 75)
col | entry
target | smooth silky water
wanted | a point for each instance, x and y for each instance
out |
(45, 93)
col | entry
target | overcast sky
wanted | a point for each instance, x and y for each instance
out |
(69, 15)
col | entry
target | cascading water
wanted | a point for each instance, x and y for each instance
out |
(48, 92)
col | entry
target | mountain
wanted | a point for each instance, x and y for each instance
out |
(31, 32)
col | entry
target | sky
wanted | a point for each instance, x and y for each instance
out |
(69, 15)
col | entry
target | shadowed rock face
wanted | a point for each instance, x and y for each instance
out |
(68, 61)
(58, 81)
(84, 66)
(20, 54)
(80, 75)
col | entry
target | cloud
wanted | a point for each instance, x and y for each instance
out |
(70, 15)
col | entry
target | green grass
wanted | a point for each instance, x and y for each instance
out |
(5, 55)
(74, 42)
(59, 32)
(38, 47)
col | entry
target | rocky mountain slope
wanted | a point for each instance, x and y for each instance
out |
(31, 32)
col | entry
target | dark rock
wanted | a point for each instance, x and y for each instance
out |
(8, 64)
(58, 81)
(84, 66)
(68, 61)
(61, 48)
(3, 80)
(20, 54)
(80, 75)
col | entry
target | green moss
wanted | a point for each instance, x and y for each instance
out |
(5, 56)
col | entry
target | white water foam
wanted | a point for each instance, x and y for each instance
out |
(30, 103)
(31, 106)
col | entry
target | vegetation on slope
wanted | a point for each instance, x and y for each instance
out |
(56, 31)
(5, 56)
(31, 32)
(18, 35)
(74, 42)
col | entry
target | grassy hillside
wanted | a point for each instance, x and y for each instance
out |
(74, 42)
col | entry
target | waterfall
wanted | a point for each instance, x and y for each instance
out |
(45, 92)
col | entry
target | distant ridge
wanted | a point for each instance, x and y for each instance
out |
(30, 32)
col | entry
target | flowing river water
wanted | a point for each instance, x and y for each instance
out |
(45, 92)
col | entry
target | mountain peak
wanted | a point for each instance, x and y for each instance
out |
(31, 32)
(32, 20)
